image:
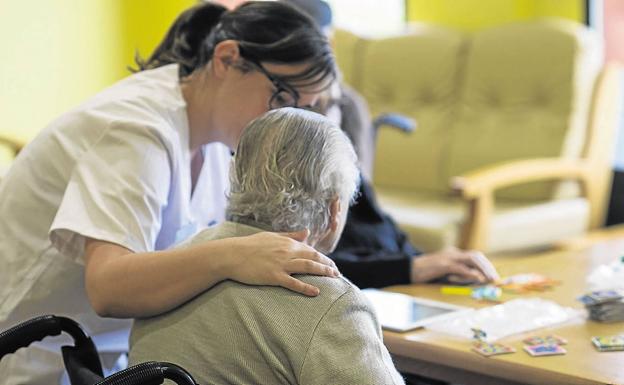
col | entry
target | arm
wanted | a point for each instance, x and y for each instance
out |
(373, 251)
(121, 283)
(454, 265)
(110, 216)
(347, 347)
(370, 268)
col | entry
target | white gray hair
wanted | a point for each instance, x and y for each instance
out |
(289, 165)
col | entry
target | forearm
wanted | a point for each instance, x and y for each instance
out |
(378, 269)
(123, 284)
(453, 265)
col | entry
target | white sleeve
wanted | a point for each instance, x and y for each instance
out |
(116, 193)
(347, 347)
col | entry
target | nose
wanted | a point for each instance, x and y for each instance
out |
(308, 100)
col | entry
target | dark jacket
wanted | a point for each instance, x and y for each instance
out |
(372, 251)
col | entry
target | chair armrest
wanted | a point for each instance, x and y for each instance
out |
(490, 178)
(477, 188)
(13, 144)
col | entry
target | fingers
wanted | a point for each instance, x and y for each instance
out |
(476, 260)
(485, 265)
(299, 286)
(460, 273)
(309, 253)
(306, 266)
(305, 260)
(300, 235)
(325, 260)
(457, 279)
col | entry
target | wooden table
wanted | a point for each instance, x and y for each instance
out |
(444, 357)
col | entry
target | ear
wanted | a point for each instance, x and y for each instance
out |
(335, 209)
(225, 54)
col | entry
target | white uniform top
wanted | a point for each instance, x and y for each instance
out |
(117, 169)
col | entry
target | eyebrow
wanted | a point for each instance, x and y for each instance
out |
(277, 81)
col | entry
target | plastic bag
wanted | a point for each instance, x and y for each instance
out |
(607, 277)
(512, 317)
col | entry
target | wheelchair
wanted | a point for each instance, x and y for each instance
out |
(82, 361)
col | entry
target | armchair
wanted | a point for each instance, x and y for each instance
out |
(516, 128)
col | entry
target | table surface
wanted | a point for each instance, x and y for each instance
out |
(449, 358)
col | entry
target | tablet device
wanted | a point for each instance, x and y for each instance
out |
(400, 312)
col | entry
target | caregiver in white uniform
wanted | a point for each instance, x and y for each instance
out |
(91, 206)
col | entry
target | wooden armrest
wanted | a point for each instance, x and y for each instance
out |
(13, 144)
(478, 187)
(490, 178)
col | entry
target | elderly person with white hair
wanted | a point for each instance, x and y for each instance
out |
(293, 169)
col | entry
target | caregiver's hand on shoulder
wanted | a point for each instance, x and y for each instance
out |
(459, 266)
(271, 259)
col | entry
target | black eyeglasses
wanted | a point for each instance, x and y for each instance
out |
(284, 95)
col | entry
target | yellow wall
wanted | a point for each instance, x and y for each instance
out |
(145, 22)
(475, 14)
(56, 53)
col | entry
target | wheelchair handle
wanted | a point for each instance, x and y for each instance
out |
(150, 373)
(402, 122)
(36, 329)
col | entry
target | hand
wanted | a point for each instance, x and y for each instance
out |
(271, 259)
(459, 265)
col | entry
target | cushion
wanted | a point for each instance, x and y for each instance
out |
(433, 221)
(416, 75)
(526, 94)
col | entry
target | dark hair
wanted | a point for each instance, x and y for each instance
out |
(272, 32)
(318, 10)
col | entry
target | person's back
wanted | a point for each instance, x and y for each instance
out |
(240, 334)
(293, 170)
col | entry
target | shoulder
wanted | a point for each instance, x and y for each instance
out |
(147, 103)
(340, 298)
(272, 305)
(337, 297)
(158, 88)
(332, 289)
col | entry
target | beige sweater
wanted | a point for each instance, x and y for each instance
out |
(239, 334)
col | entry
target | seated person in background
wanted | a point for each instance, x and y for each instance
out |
(373, 251)
(293, 169)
